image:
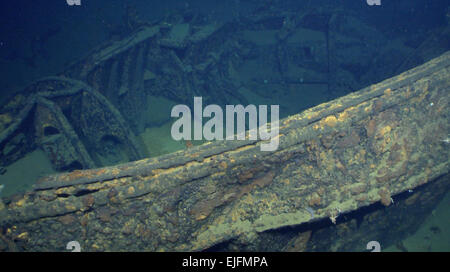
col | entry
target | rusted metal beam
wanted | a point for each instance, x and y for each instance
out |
(334, 158)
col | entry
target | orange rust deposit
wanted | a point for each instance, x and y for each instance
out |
(77, 174)
(385, 195)
(188, 144)
(314, 200)
(202, 209)
(371, 128)
(88, 201)
(67, 219)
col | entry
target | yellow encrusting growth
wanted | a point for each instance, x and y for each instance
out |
(385, 130)
(329, 121)
(131, 190)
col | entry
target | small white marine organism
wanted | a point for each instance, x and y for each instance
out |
(1, 188)
(334, 215)
(446, 140)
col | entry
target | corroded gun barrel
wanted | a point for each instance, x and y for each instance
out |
(332, 159)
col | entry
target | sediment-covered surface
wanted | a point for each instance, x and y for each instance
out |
(332, 159)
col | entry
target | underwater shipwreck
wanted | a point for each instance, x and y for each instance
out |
(365, 165)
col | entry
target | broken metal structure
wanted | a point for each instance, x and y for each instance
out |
(88, 115)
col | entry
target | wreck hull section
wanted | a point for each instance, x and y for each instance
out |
(338, 157)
